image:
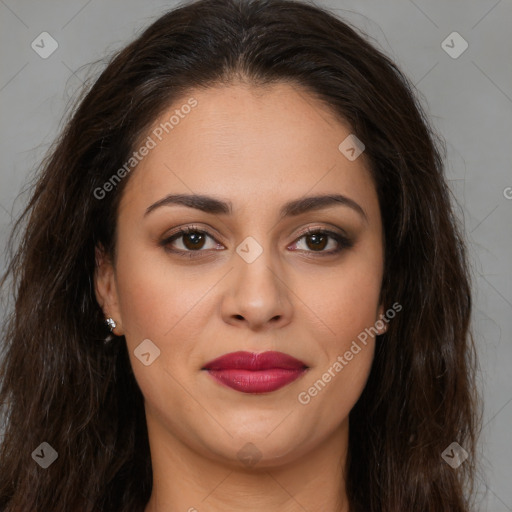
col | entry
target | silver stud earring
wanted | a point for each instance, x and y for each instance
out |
(111, 324)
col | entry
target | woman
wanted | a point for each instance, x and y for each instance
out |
(240, 284)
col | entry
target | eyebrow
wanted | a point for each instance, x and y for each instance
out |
(291, 209)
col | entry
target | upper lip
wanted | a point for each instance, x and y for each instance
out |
(252, 361)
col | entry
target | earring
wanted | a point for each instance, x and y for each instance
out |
(384, 327)
(111, 324)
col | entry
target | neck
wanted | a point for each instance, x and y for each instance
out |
(185, 480)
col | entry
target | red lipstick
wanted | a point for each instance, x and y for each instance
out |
(255, 373)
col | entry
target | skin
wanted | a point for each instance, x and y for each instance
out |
(258, 148)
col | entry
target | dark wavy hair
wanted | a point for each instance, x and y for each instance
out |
(60, 384)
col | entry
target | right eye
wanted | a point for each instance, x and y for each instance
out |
(193, 240)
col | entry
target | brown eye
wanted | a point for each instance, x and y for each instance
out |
(317, 240)
(191, 240)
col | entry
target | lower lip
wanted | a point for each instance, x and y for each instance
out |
(262, 381)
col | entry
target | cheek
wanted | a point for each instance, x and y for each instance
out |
(153, 296)
(161, 306)
(350, 315)
(349, 299)
(335, 384)
(346, 379)
(149, 304)
(347, 304)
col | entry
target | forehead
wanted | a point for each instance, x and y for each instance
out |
(249, 143)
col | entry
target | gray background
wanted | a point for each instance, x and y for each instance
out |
(469, 100)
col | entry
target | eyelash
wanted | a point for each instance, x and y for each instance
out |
(343, 242)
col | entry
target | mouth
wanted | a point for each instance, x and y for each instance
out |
(249, 372)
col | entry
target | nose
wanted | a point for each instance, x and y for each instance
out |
(257, 295)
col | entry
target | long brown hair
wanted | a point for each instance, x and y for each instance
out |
(62, 385)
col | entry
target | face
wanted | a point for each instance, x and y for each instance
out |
(252, 275)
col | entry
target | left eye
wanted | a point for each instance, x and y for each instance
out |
(193, 240)
(319, 239)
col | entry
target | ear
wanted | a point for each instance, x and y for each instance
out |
(105, 288)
